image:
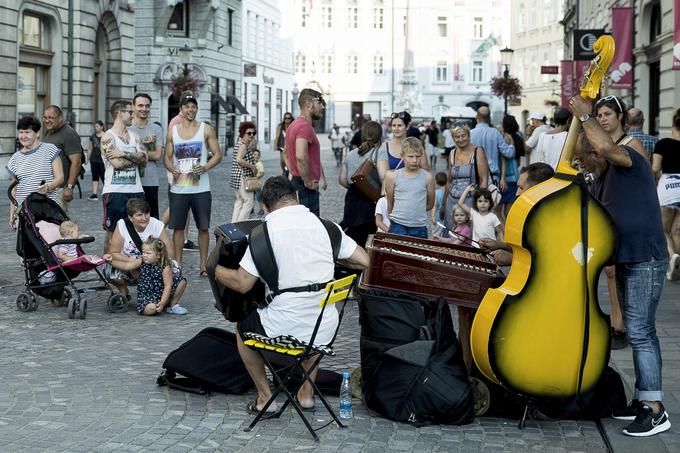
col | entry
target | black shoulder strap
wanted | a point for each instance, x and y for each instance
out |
(335, 236)
(263, 256)
(133, 234)
(265, 262)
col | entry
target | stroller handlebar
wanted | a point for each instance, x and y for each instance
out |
(9, 192)
(83, 240)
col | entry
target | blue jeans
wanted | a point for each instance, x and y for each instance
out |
(639, 286)
(306, 197)
(416, 232)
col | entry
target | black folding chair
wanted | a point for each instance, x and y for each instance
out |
(335, 291)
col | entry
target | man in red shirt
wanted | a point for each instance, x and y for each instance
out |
(304, 151)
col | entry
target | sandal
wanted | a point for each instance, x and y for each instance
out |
(305, 409)
(203, 274)
(252, 409)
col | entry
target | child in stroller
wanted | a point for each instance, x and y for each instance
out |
(35, 248)
(67, 252)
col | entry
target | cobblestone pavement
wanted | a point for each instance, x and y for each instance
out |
(89, 385)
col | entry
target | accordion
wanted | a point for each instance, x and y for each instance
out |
(458, 273)
(232, 242)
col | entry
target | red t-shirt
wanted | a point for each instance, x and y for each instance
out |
(301, 128)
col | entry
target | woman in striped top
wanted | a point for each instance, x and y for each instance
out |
(34, 165)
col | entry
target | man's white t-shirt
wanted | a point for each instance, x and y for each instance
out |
(483, 226)
(304, 256)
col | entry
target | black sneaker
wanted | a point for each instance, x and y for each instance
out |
(619, 339)
(94, 197)
(647, 423)
(189, 245)
(630, 412)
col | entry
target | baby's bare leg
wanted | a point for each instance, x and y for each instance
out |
(181, 286)
(149, 310)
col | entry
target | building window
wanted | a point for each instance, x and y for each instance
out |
(327, 64)
(178, 25)
(303, 14)
(230, 27)
(352, 17)
(477, 71)
(478, 29)
(378, 62)
(352, 64)
(378, 18)
(442, 26)
(442, 74)
(655, 23)
(35, 61)
(254, 103)
(520, 18)
(327, 16)
(300, 63)
(267, 114)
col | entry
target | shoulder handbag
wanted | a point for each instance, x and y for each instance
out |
(367, 179)
(133, 234)
(252, 184)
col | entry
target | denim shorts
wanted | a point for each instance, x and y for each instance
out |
(416, 232)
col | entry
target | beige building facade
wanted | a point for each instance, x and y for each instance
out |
(537, 40)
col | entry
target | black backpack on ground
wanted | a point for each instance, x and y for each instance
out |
(412, 366)
(208, 362)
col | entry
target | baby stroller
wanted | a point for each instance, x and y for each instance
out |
(44, 274)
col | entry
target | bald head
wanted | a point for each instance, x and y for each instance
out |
(635, 118)
(483, 114)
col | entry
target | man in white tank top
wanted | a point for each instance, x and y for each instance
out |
(186, 157)
(123, 153)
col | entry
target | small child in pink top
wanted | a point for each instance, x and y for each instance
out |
(462, 233)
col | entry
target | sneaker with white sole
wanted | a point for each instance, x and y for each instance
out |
(176, 310)
(629, 412)
(647, 423)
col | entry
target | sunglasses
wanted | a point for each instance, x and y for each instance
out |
(400, 115)
(321, 101)
(610, 98)
(287, 117)
(251, 133)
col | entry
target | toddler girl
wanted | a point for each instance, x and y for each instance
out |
(159, 280)
(485, 223)
(462, 232)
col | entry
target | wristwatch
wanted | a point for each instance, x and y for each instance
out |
(585, 117)
(70, 186)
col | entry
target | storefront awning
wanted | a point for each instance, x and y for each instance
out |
(231, 104)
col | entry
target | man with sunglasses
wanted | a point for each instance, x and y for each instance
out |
(122, 151)
(625, 185)
(304, 151)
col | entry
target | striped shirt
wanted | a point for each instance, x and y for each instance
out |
(33, 168)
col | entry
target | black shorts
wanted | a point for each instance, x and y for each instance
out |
(115, 207)
(151, 195)
(97, 169)
(251, 323)
(199, 203)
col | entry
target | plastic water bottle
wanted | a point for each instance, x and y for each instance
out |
(345, 397)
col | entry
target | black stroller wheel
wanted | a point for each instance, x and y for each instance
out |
(33, 302)
(24, 302)
(82, 310)
(117, 303)
(72, 307)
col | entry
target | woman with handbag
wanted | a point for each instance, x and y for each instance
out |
(243, 171)
(360, 175)
(467, 165)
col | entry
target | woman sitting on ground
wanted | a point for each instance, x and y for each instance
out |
(126, 257)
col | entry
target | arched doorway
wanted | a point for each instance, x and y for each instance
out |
(107, 81)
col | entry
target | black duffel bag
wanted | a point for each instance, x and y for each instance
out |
(412, 365)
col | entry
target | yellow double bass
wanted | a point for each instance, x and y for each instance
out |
(542, 334)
